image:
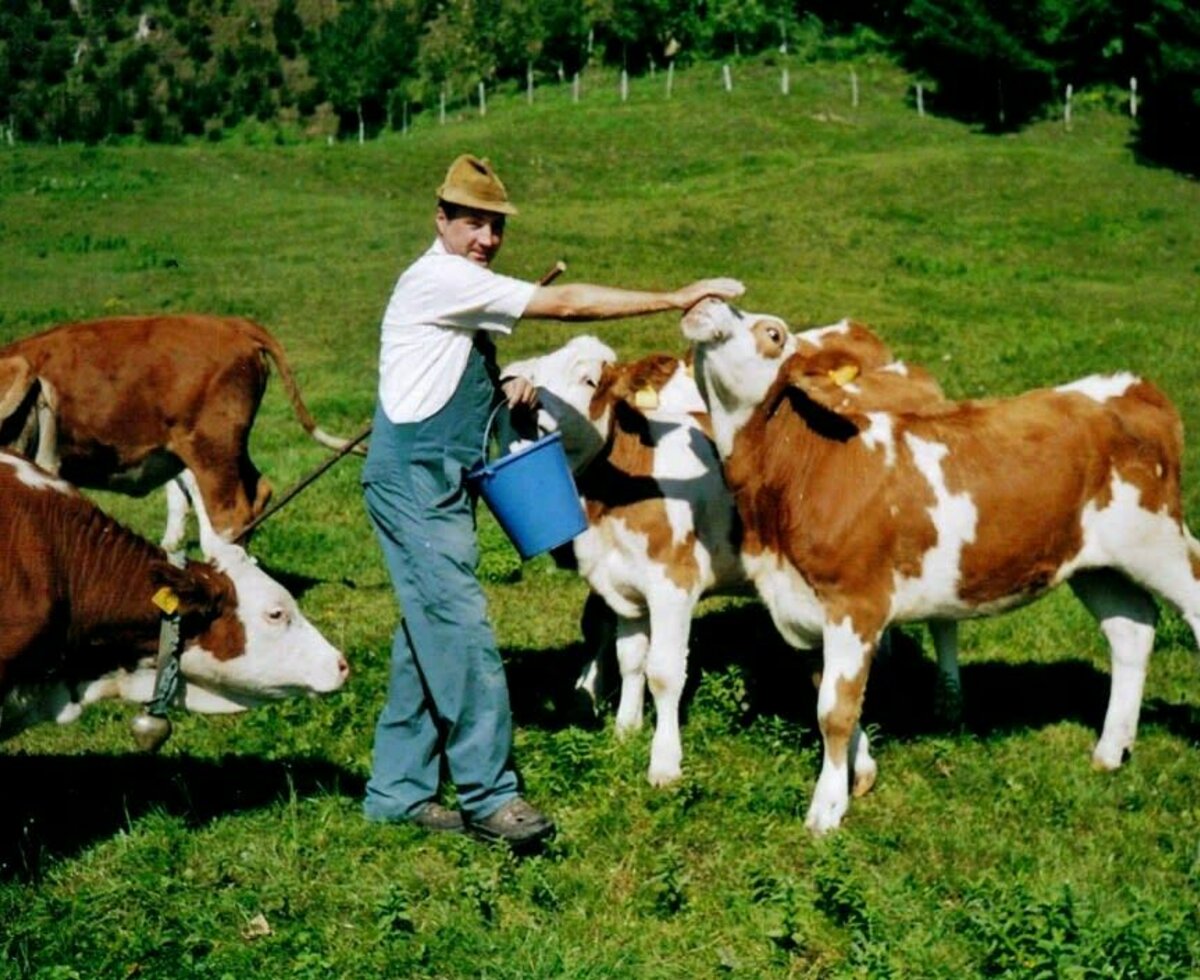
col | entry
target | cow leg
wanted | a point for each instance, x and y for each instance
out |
(1127, 615)
(598, 624)
(864, 770)
(175, 533)
(847, 659)
(666, 672)
(947, 696)
(210, 541)
(633, 640)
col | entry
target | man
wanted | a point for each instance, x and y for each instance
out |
(447, 694)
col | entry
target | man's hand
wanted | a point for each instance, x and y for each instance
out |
(721, 288)
(519, 392)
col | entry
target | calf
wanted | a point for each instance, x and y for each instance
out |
(662, 526)
(857, 519)
(78, 622)
(130, 403)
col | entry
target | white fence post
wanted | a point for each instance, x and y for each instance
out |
(920, 100)
(784, 81)
(1133, 97)
(575, 88)
(670, 76)
(624, 85)
(1067, 106)
(482, 100)
(854, 88)
(727, 78)
(529, 82)
(442, 108)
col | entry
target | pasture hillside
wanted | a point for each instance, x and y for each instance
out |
(988, 850)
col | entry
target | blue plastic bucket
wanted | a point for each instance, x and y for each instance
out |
(532, 494)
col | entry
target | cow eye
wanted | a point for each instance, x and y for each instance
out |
(774, 335)
(277, 616)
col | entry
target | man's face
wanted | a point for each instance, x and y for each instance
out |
(475, 235)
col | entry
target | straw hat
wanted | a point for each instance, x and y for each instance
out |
(473, 183)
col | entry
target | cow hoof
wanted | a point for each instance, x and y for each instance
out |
(821, 823)
(864, 779)
(1108, 760)
(948, 704)
(660, 778)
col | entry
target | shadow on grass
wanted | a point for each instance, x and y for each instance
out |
(56, 806)
(999, 697)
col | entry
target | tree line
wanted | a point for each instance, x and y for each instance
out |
(166, 70)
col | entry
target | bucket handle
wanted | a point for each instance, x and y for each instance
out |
(487, 431)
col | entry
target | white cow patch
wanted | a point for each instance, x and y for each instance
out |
(935, 591)
(1101, 387)
(794, 606)
(879, 435)
(31, 476)
(817, 334)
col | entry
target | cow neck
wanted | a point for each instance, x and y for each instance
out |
(110, 587)
(151, 728)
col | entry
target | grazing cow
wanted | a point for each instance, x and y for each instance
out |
(129, 403)
(78, 623)
(857, 519)
(662, 526)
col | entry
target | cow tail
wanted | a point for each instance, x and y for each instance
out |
(269, 345)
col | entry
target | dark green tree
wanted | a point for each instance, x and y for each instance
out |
(1168, 46)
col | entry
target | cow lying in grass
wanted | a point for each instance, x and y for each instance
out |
(662, 527)
(855, 519)
(131, 403)
(78, 622)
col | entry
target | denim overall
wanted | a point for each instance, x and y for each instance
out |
(447, 691)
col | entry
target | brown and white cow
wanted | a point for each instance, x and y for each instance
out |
(857, 519)
(662, 530)
(130, 403)
(662, 526)
(78, 624)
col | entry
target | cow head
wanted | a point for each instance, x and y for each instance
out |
(244, 638)
(738, 356)
(567, 380)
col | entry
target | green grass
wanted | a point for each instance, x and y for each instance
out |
(994, 850)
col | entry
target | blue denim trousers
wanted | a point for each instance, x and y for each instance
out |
(447, 696)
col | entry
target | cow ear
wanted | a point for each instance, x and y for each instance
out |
(16, 380)
(193, 590)
(816, 388)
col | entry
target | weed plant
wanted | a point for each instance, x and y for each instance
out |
(987, 850)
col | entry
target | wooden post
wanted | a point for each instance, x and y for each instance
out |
(624, 85)
(482, 100)
(404, 119)
(727, 78)
(1067, 107)
(920, 100)
(854, 88)
(1133, 97)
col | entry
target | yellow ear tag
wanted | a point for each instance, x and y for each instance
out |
(166, 600)
(844, 375)
(645, 398)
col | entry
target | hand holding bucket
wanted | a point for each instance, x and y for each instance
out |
(531, 493)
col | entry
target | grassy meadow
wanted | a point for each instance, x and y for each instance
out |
(988, 850)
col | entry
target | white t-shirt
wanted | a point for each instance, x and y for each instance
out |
(429, 326)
